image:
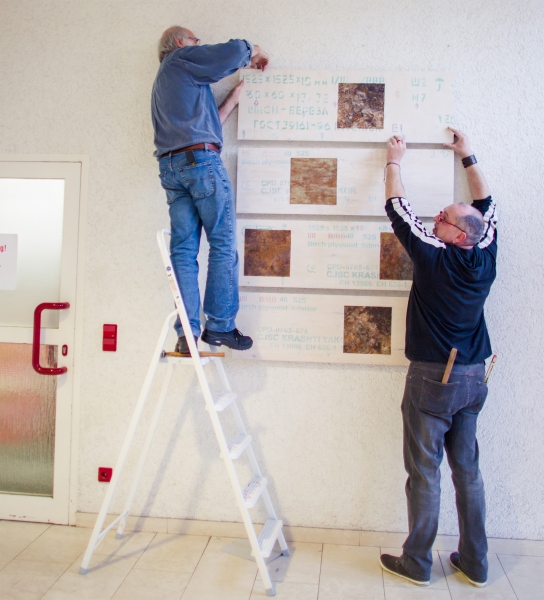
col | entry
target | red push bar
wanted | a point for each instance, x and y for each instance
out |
(36, 338)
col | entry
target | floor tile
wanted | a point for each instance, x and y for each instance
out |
(106, 574)
(208, 528)
(438, 579)
(143, 585)
(526, 575)
(301, 566)
(58, 544)
(15, 536)
(131, 544)
(242, 548)
(498, 587)
(169, 552)
(28, 579)
(287, 591)
(220, 575)
(415, 593)
(349, 573)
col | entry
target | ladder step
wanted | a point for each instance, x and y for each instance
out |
(222, 401)
(253, 490)
(269, 535)
(238, 444)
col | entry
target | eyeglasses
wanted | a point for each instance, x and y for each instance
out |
(195, 40)
(442, 219)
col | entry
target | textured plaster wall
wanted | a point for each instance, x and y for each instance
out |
(76, 79)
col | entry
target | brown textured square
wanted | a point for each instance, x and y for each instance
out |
(313, 180)
(360, 105)
(394, 260)
(367, 329)
(267, 252)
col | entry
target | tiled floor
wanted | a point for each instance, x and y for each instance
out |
(42, 561)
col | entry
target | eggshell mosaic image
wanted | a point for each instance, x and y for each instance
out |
(313, 180)
(361, 105)
(394, 260)
(267, 253)
(367, 329)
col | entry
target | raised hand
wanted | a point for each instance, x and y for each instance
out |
(460, 145)
(396, 149)
(260, 58)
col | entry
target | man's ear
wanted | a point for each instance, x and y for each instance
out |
(461, 238)
(179, 42)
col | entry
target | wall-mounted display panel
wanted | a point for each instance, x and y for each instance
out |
(346, 106)
(320, 328)
(336, 181)
(322, 254)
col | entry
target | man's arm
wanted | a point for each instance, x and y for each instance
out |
(476, 180)
(479, 190)
(409, 230)
(208, 64)
(230, 102)
(393, 183)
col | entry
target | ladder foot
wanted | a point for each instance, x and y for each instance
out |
(285, 552)
(271, 592)
(118, 536)
(82, 571)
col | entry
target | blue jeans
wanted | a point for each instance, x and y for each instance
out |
(201, 195)
(438, 416)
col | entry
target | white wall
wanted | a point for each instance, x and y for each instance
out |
(76, 79)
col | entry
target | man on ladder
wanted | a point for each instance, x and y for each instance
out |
(188, 137)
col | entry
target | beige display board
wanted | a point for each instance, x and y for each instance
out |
(318, 328)
(346, 106)
(322, 254)
(334, 181)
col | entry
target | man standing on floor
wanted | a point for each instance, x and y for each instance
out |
(453, 272)
(188, 138)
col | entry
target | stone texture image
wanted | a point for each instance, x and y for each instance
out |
(394, 261)
(267, 253)
(360, 105)
(313, 180)
(367, 329)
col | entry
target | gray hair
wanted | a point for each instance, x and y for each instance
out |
(167, 43)
(472, 224)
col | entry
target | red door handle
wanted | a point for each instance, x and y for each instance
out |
(36, 338)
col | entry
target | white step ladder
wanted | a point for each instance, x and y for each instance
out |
(246, 497)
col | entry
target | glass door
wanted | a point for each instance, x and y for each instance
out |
(39, 218)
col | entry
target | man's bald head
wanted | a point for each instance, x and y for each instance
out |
(168, 41)
(470, 220)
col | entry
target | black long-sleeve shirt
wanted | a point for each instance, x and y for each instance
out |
(450, 287)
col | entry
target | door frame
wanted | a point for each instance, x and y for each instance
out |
(83, 160)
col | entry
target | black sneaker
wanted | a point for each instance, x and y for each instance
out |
(232, 339)
(455, 562)
(392, 564)
(182, 346)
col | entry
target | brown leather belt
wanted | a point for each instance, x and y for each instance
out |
(205, 146)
